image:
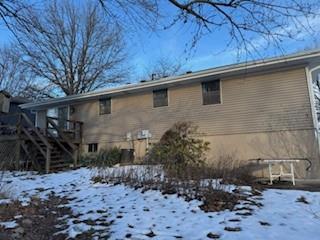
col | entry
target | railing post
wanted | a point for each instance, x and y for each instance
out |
(48, 159)
(18, 150)
(80, 131)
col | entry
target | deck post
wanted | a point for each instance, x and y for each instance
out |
(270, 173)
(18, 146)
(18, 154)
(48, 160)
(75, 157)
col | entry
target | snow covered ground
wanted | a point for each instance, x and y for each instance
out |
(137, 215)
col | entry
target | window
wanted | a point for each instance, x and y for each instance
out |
(160, 98)
(92, 147)
(63, 113)
(211, 92)
(105, 106)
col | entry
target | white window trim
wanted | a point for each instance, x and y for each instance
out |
(311, 95)
(168, 98)
(220, 91)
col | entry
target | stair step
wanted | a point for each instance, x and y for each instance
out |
(56, 154)
(60, 160)
(59, 166)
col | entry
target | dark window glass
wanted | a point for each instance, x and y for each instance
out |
(92, 147)
(63, 117)
(160, 98)
(211, 92)
(105, 106)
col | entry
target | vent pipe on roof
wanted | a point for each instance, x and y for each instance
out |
(153, 76)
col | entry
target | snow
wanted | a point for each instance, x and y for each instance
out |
(5, 201)
(168, 216)
(9, 224)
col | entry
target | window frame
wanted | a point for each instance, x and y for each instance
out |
(154, 92)
(211, 102)
(92, 147)
(110, 107)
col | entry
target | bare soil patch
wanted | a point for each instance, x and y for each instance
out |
(40, 220)
(36, 221)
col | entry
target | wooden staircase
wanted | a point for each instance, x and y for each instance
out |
(49, 149)
(58, 159)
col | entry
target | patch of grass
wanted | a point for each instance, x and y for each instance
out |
(302, 199)
(232, 229)
(213, 235)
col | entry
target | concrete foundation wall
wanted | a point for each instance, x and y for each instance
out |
(244, 147)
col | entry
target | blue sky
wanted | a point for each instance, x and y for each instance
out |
(210, 50)
(146, 46)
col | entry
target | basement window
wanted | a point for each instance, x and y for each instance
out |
(211, 92)
(92, 147)
(105, 106)
(160, 98)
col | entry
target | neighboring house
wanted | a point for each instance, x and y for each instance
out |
(9, 105)
(261, 109)
(23, 146)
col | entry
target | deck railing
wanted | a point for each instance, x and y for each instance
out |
(62, 132)
(68, 129)
(21, 124)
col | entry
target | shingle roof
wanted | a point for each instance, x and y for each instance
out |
(246, 67)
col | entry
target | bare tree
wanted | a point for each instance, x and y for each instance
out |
(163, 67)
(13, 74)
(72, 49)
(248, 25)
(136, 13)
(11, 9)
(17, 79)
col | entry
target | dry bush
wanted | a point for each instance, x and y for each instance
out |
(214, 194)
(103, 159)
(4, 190)
(182, 170)
(230, 170)
(183, 157)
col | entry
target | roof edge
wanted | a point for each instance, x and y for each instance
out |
(195, 75)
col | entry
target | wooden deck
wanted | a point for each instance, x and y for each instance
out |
(24, 146)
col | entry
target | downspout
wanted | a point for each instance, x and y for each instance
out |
(311, 97)
(308, 72)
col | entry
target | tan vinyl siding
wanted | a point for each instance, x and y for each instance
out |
(266, 102)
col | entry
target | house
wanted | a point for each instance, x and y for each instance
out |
(11, 122)
(9, 105)
(260, 109)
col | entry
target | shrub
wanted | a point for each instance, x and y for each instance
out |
(231, 170)
(103, 159)
(179, 148)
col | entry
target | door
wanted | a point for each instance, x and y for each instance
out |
(63, 115)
